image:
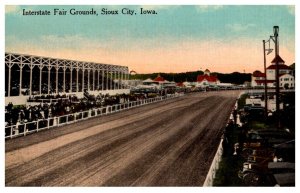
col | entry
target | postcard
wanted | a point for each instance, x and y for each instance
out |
(149, 95)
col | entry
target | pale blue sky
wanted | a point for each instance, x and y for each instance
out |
(171, 29)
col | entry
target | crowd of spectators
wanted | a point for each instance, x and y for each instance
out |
(48, 106)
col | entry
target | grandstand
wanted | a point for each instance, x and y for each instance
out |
(28, 75)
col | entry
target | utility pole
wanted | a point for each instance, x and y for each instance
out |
(276, 30)
(266, 87)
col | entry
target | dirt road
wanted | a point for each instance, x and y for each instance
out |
(170, 143)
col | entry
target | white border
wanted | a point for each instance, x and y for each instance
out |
(139, 2)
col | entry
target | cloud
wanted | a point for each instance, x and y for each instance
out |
(11, 9)
(206, 8)
(237, 27)
(291, 9)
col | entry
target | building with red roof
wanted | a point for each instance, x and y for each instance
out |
(258, 78)
(285, 73)
(159, 79)
(207, 79)
(162, 83)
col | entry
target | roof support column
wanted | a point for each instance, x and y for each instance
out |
(107, 78)
(94, 79)
(88, 80)
(103, 83)
(71, 79)
(20, 83)
(77, 89)
(111, 77)
(49, 71)
(98, 85)
(64, 84)
(83, 80)
(41, 74)
(30, 79)
(9, 79)
(56, 78)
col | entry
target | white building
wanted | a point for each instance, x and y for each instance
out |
(286, 79)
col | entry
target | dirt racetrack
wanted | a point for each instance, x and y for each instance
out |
(169, 143)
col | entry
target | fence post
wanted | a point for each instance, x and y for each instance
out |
(37, 125)
(11, 132)
(56, 120)
(24, 129)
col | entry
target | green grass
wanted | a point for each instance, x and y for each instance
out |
(227, 174)
(258, 125)
(18, 106)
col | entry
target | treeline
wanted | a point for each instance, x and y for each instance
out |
(234, 78)
(177, 77)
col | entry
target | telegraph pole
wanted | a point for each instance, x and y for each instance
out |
(266, 88)
(276, 30)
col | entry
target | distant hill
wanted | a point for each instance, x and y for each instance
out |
(234, 78)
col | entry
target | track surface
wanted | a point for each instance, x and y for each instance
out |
(170, 143)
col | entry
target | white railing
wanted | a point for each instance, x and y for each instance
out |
(42, 124)
(214, 166)
(218, 156)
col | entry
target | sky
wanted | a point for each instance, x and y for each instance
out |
(179, 38)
